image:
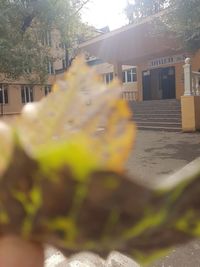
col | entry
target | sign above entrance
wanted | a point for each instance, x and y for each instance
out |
(170, 60)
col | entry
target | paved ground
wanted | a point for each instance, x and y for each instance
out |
(157, 154)
(162, 153)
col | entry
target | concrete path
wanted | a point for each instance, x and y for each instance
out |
(162, 153)
(158, 153)
(155, 154)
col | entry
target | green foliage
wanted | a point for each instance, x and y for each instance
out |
(140, 9)
(183, 19)
(23, 25)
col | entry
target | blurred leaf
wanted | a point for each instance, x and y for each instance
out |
(62, 182)
(82, 111)
(6, 146)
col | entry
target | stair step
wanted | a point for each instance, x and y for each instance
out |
(171, 115)
(156, 108)
(155, 128)
(160, 119)
(156, 118)
(164, 115)
(158, 124)
(160, 111)
(161, 101)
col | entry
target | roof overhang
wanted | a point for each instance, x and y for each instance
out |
(133, 44)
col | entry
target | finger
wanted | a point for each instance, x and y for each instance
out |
(16, 252)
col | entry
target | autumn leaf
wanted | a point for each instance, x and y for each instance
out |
(62, 181)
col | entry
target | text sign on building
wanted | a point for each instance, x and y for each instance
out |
(166, 61)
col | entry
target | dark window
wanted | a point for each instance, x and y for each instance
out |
(124, 76)
(3, 94)
(50, 68)
(26, 94)
(47, 89)
(108, 77)
(28, 70)
(46, 38)
(64, 63)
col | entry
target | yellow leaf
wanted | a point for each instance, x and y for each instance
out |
(81, 105)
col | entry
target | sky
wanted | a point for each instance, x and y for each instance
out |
(101, 13)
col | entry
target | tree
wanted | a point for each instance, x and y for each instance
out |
(23, 28)
(140, 9)
(184, 19)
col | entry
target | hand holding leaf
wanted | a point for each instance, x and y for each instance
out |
(62, 181)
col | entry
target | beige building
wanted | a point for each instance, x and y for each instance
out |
(106, 71)
(15, 94)
(159, 61)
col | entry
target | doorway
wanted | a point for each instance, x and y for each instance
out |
(159, 84)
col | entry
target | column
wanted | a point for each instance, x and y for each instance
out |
(118, 71)
(187, 77)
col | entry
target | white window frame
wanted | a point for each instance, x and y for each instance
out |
(27, 90)
(133, 74)
(3, 91)
(50, 68)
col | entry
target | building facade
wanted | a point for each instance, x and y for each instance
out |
(15, 94)
(106, 71)
(158, 59)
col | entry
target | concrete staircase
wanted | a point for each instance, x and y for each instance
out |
(164, 115)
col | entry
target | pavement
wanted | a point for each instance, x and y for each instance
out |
(157, 153)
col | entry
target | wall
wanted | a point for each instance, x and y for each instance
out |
(195, 61)
(190, 109)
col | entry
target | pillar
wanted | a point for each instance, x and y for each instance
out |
(118, 71)
(187, 78)
(190, 110)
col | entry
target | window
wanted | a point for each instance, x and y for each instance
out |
(50, 68)
(3, 94)
(26, 94)
(129, 75)
(108, 77)
(47, 89)
(63, 45)
(28, 70)
(25, 3)
(46, 38)
(64, 64)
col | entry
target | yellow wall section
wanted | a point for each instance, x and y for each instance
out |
(190, 109)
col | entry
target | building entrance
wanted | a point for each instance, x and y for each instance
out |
(159, 84)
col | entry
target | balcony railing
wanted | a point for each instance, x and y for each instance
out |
(129, 95)
(195, 83)
(191, 80)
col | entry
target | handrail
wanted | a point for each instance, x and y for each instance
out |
(195, 83)
(191, 80)
(196, 73)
